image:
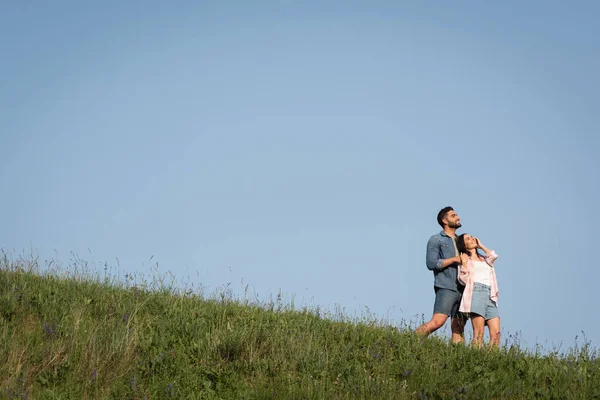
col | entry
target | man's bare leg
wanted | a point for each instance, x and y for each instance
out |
(457, 325)
(437, 321)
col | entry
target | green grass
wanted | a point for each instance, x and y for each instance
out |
(80, 337)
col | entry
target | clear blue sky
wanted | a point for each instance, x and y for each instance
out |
(306, 147)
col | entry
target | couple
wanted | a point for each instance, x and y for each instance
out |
(464, 282)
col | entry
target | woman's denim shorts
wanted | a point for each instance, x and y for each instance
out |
(481, 303)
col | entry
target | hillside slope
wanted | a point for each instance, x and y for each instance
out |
(81, 338)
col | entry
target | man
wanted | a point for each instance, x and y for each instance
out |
(443, 259)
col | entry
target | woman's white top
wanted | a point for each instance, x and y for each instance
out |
(482, 272)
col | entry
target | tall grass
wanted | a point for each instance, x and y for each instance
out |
(75, 335)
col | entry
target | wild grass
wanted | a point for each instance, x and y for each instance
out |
(76, 335)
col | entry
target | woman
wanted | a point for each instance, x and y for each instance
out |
(480, 298)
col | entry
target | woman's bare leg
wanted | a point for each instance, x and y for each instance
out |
(478, 323)
(494, 327)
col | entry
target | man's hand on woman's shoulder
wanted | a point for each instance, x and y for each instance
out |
(463, 259)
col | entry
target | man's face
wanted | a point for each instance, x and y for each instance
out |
(452, 219)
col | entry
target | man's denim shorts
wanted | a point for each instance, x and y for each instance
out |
(481, 303)
(447, 302)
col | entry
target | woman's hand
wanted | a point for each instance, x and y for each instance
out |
(480, 245)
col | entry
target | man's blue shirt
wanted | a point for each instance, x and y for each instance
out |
(440, 247)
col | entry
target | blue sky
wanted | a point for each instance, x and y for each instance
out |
(306, 147)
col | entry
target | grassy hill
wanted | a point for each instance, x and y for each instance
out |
(81, 337)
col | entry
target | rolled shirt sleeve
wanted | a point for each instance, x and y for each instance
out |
(433, 260)
(491, 257)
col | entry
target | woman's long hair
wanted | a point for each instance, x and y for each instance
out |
(462, 247)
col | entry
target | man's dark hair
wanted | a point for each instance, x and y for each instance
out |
(442, 215)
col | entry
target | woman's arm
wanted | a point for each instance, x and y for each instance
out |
(490, 255)
(481, 246)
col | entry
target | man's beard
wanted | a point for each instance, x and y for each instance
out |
(455, 226)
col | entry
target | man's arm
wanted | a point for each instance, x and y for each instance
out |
(433, 260)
